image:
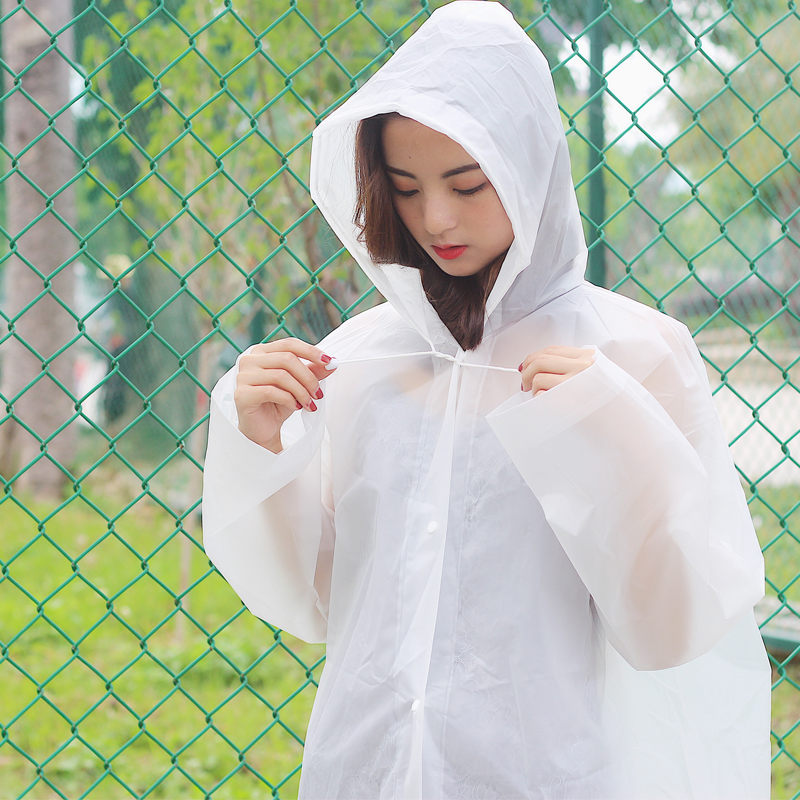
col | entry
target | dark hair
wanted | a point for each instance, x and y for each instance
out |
(460, 302)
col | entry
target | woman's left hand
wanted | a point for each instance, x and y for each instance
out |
(547, 368)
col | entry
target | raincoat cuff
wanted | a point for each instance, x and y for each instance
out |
(524, 423)
(561, 407)
(243, 474)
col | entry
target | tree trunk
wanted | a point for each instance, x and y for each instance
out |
(35, 275)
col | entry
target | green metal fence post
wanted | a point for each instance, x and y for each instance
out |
(596, 271)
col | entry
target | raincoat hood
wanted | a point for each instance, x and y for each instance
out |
(471, 73)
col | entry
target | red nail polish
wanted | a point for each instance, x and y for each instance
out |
(521, 388)
(312, 406)
(520, 367)
(325, 359)
(318, 395)
(298, 405)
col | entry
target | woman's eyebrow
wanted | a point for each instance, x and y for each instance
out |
(459, 170)
(448, 174)
(396, 171)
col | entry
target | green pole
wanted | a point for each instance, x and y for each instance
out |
(596, 270)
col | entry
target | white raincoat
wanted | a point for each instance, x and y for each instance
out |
(521, 597)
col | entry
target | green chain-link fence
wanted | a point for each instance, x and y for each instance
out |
(155, 220)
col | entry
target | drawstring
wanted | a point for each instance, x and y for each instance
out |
(337, 361)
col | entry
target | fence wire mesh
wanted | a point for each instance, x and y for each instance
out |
(156, 220)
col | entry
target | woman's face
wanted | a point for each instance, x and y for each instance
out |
(444, 199)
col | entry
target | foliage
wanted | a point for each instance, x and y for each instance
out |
(738, 150)
(740, 141)
(217, 140)
(196, 126)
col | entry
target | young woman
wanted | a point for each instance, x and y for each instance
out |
(503, 498)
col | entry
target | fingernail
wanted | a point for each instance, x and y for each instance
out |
(325, 359)
(312, 406)
(298, 406)
(520, 367)
(332, 363)
(318, 395)
(521, 388)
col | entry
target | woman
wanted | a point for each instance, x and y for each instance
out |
(538, 591)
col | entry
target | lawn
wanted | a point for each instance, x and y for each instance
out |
(785, 718)
(776, 514)
(109, 689)
(105, 690)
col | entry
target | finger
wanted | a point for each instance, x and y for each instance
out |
(260, 369)
(548, 365)
(321, 371)
(303, 389)
(544, 381)
(545, 361)
(264, 358)
(579, 353)
(250, 398)
(300, 348)
(567, 352)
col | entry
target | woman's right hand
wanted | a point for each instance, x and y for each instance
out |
(273, 383)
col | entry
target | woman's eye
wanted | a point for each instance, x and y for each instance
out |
(408, 193)
(473, 190)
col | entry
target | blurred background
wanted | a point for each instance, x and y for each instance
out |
(155, 221)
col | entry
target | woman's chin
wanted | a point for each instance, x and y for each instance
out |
(459, 270)
(463, 269)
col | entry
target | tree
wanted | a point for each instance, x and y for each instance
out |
(37, 360)
(739, 148)
(215, 136)
(214, 131)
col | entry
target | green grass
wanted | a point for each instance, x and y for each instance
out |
(785, 718)
(106, 694)
(776, 515)
(101, 681)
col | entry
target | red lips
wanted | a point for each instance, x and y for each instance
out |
(449, 253)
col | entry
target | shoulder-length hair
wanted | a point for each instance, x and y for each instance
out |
(460, 302)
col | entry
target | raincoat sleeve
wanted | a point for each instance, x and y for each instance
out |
(637, 482)
(267, 518)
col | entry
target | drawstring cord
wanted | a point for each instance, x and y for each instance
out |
(335, 362)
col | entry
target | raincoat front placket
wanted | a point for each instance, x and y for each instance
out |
(422, 580)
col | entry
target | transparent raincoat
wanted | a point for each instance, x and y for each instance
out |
(521, 597)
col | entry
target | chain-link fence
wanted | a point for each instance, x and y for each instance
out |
(155, 220)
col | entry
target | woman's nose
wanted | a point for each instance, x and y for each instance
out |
(439, 216)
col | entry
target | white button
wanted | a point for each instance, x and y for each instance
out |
(432, 526)
(415, 705)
